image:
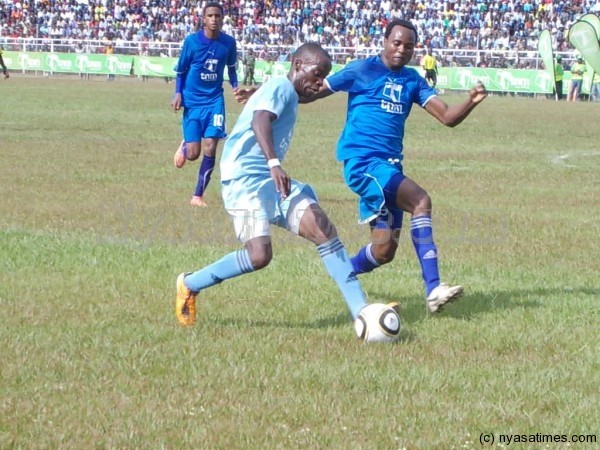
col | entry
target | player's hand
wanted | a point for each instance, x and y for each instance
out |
(478, 93)
(283, 182)
(242, 95)
(176, 102)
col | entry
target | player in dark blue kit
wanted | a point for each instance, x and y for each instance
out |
(381, 92)
(199, 90)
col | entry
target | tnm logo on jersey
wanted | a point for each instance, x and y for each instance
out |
(211, 66)
(391, 101)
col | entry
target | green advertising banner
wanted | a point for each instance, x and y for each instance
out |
(496, 80)
(69, 62)
(546, 53)
(263, 68)
(583, 37)
(449, 78)
(594, 21)
(154, 66)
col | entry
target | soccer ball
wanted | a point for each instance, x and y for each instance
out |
(377, 323)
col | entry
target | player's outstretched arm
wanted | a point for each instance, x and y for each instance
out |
(263, 130)
(454, 115)
(242, 95)
(324, 91)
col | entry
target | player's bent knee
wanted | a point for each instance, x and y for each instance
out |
(321, 235)
(384, 254)
(315, 225)
(423, 206)
(260, 261)
(385, 259)
(193, 156)
(260, 252)
(193, 151)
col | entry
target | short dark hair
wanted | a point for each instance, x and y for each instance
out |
(213, 5)
(402, 23)
(310, 49)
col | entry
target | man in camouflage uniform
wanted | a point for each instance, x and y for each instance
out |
(249, 63)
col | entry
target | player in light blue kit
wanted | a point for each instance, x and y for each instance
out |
(199, 90)
(381, 91)
(258, 193)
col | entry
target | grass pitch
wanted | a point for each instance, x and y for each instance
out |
(95, 226)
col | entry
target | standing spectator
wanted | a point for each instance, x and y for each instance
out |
(595, 91)
(268, 71)
(110, 50)
(558, 78)
(199, 90)
(577, 70)
(164, 55)
(249, 65)
(143, 52)
(82, 62)
(4, 68)
(430, 65)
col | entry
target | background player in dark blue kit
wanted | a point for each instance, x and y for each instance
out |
(199, 90)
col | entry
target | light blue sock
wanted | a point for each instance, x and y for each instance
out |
(421, 231)
(340, 268)
(230, 266)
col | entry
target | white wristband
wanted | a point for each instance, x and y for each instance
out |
(273, 163)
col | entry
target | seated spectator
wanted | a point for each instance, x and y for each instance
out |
(358, 24)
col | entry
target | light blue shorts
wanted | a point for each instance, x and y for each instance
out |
(255, 205)
(204, 122)
(369, 178)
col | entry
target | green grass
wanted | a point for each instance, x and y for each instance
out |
(95, 226)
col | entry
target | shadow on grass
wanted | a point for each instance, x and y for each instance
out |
(341, 320)
(474, 303)
(412, 309)
(333, 321)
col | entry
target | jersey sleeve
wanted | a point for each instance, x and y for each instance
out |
(232, 57)
(423, 93)
(183, 64)
(274, 97)
(232, 64)
(345, 80)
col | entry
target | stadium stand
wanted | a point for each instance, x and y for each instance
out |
(352, 28)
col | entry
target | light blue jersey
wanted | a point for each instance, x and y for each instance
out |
(242, 156)
(202, 64)
(379, 102)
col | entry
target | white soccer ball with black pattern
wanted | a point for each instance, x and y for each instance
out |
(377, 322)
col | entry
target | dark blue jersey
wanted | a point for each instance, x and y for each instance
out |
(202, 65)
(379, 102)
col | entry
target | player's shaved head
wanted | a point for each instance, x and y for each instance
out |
(310, 53)
(310, 66)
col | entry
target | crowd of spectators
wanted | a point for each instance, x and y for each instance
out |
(356, 24)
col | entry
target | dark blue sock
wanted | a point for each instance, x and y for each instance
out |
(364, 261)
(421, 231)
(204, 173)
(184, 150)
